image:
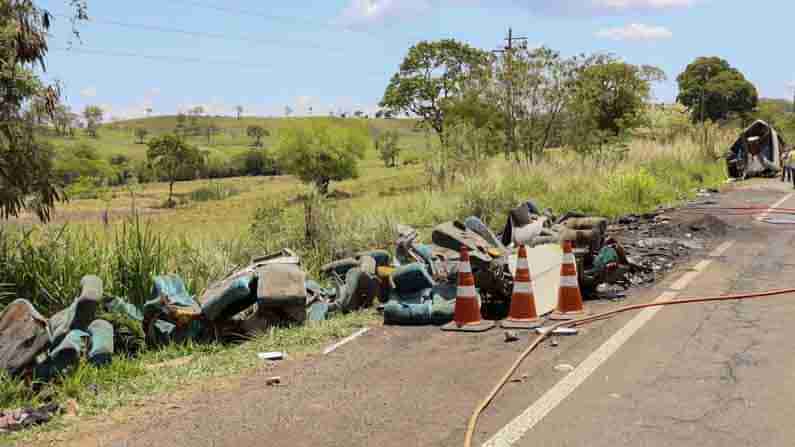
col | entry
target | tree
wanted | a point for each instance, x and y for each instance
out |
(534, 86)
(27, 175)
(141, 133)
(148, 111)
(320, 155)
(239, 110)
(257, 132)
(431, 74)
(288, 111)
(169, 154)
(93, 117)
(609, 99)
(387, 146)
(712, 89)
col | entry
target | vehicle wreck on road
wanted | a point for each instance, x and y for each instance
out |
(756, 153)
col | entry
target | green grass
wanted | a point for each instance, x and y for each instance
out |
(126, 381)
(119, 138)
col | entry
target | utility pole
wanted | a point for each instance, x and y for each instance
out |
(507, 52)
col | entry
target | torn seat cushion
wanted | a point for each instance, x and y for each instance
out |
(229, 297)
(435, 309)
(281, 285)
(80, 313)
(101, 346)
(23, 336)
(338, 268)
(382, 257)
(359, 290)
(65, 356)
(411, 279)
(454, 235)
(172, 315)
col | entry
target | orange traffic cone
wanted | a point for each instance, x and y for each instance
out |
(569, 297)
(467, 303)
(523, 314)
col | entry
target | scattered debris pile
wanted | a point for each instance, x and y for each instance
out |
(418, 285)
(271, 290)
(22, 418)
(654, 243)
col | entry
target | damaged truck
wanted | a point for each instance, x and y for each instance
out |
(756, 153)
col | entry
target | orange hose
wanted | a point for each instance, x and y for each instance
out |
(473, 420)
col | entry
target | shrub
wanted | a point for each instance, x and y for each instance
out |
(213, 191)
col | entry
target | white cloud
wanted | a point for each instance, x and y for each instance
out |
(368, 12)
(641, 4)
(602, 7)
(89, 92)
(636, 32)
(136, 109)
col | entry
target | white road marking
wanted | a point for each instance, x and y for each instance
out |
(766, 214)
(721, 249)
(345, 340)
(523, 423)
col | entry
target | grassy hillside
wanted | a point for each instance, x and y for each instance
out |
(119, 138)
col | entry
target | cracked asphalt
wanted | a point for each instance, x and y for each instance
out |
(720, 374)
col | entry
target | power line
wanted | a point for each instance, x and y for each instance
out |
(174, 59)
(222, 36)
(273, 17)
(184, 59)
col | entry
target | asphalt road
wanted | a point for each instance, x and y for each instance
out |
(720, 374)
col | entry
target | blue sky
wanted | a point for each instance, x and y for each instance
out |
(338, 55)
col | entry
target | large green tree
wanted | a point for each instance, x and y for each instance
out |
(712, 89)
(608, 100)
(170, 154)
(614, 93)
(320, 155)
(431, 75)
(27, 175)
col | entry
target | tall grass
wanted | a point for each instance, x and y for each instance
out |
(45, 264)
(213, 191)
(650, 175)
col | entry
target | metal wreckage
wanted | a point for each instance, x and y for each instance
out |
(413, 285)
